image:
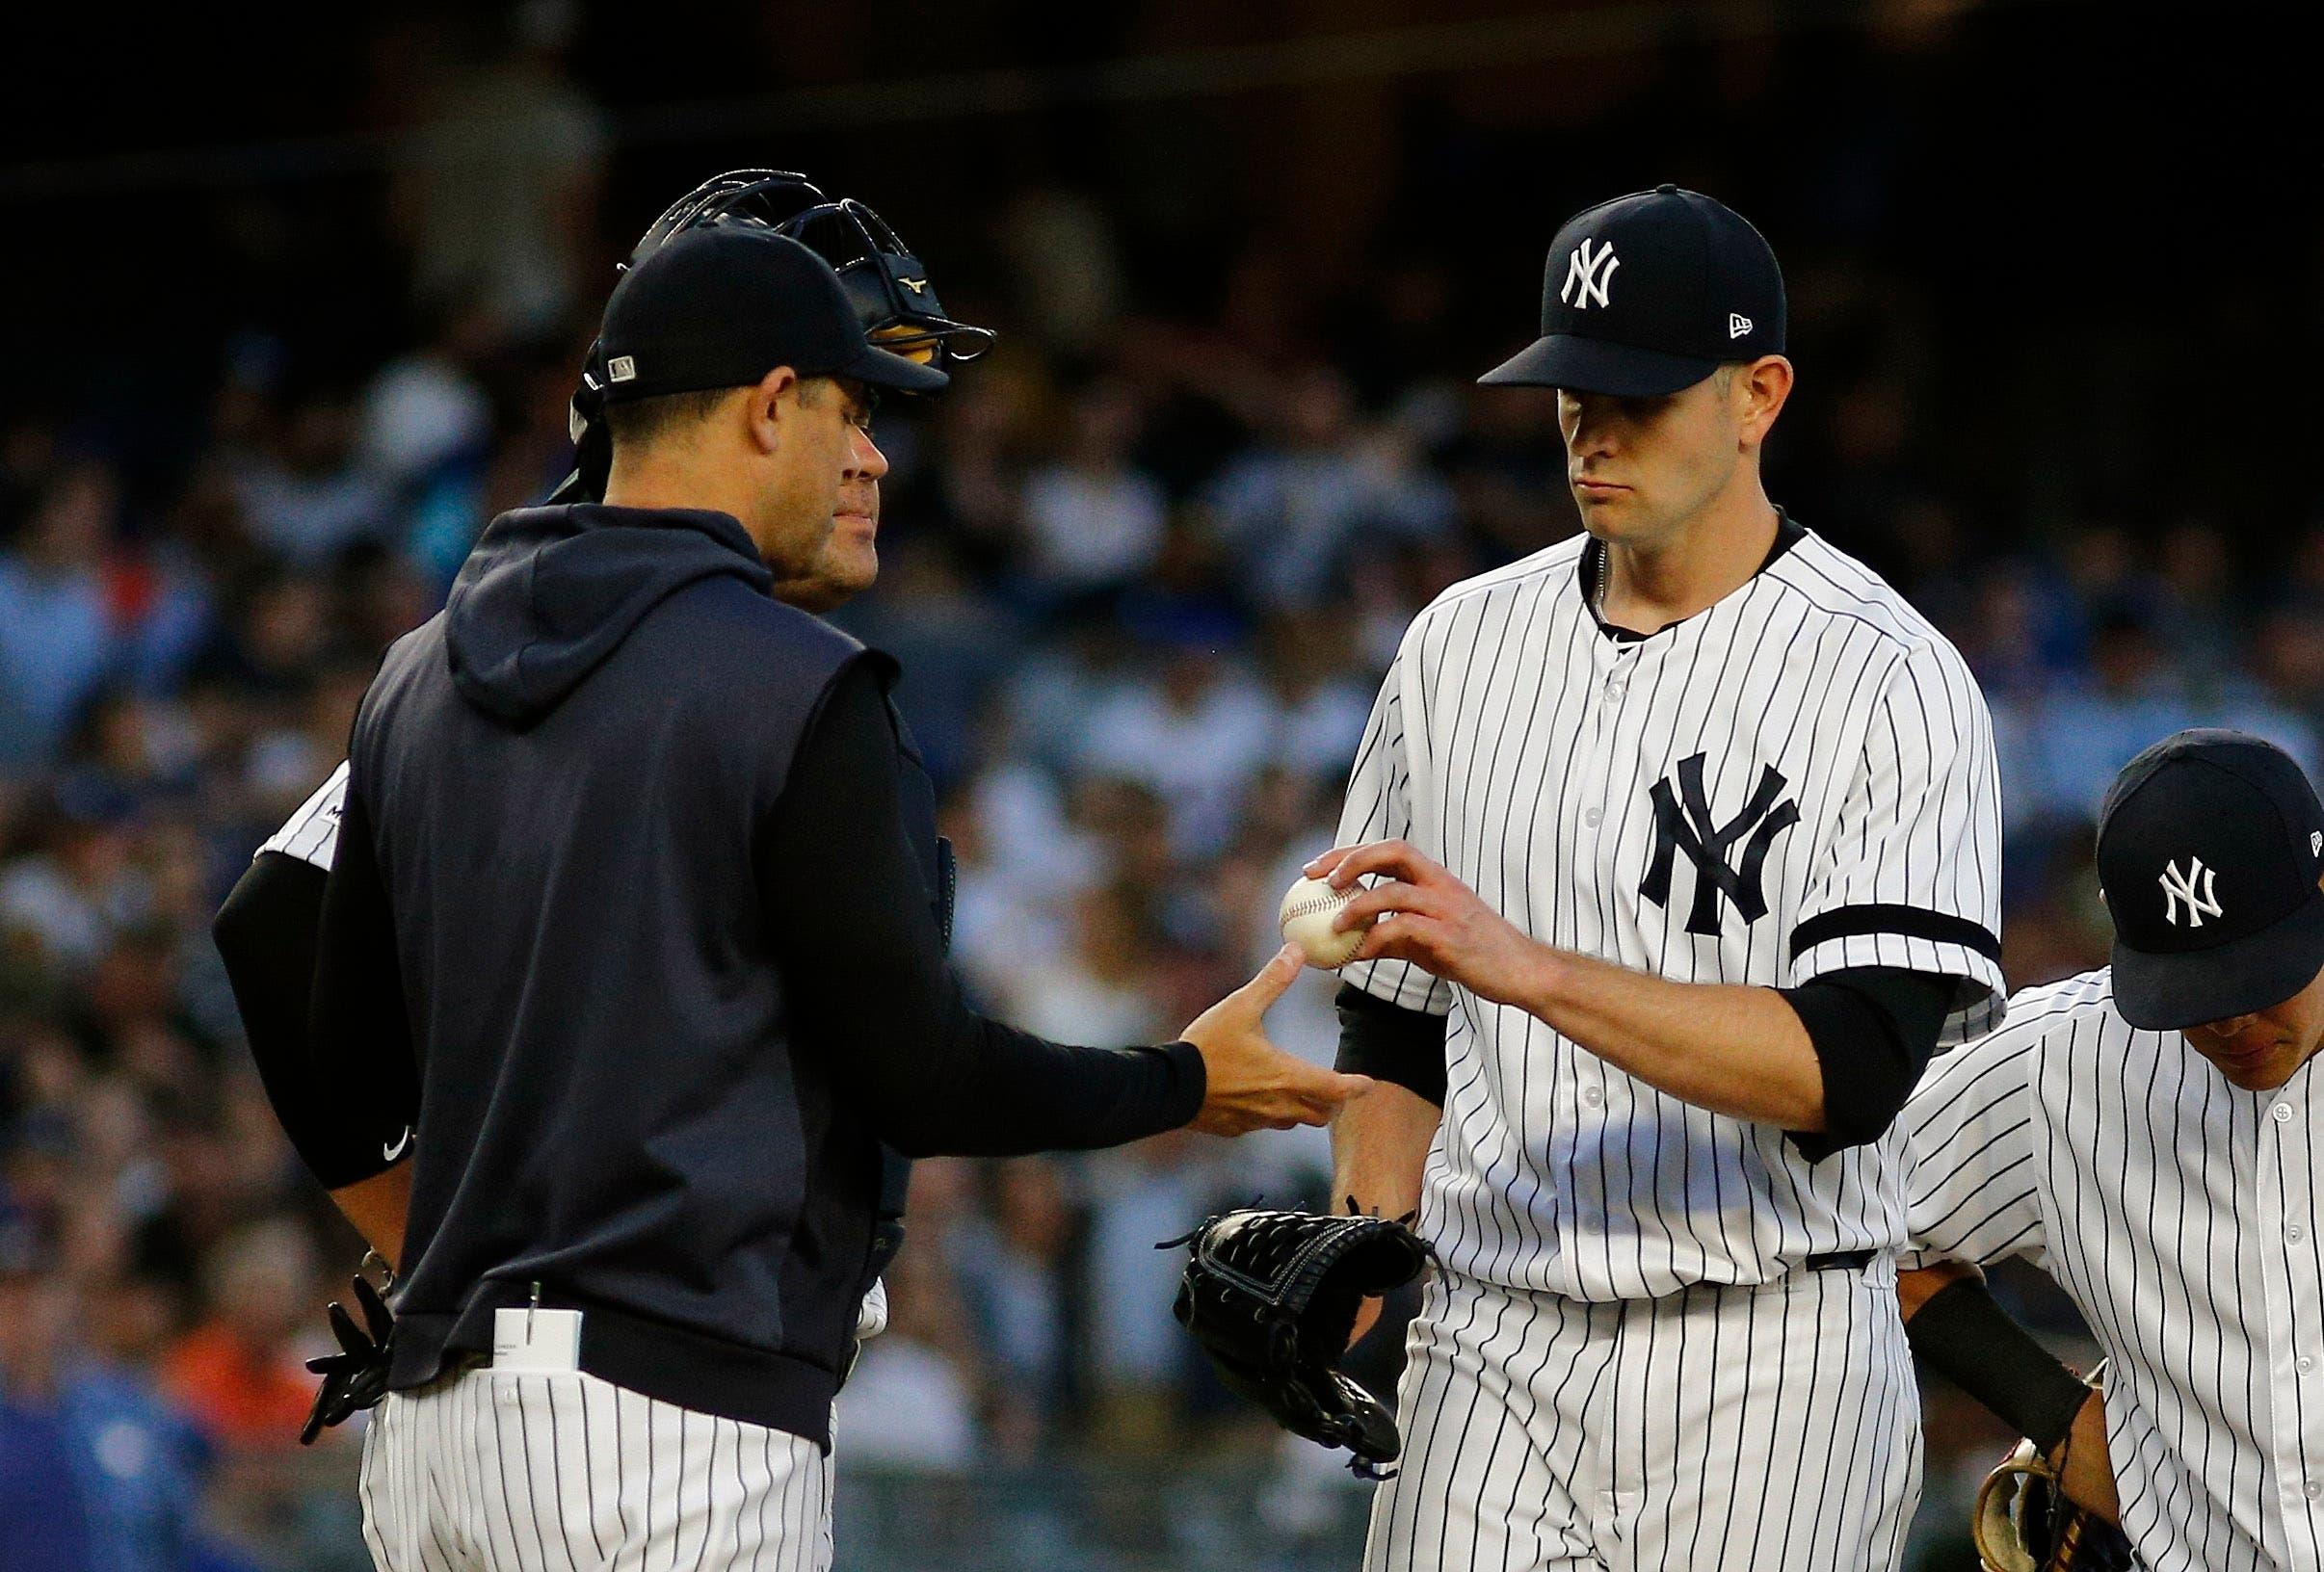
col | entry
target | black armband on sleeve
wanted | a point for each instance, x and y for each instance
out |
(1390, 1042)
(1873, 1029)
(1964, 1333)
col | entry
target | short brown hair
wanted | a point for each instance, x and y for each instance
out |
(641, 422)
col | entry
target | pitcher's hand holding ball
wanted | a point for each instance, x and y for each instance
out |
(1421, 913)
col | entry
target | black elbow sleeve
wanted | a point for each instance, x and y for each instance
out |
(1873, 1030)
(1390, 1042)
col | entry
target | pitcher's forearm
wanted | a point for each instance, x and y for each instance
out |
(1380, 1145)
(1732, 1049)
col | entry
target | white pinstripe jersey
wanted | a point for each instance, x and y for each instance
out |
(1798, 780)
(312, 833)
(2180, 1213)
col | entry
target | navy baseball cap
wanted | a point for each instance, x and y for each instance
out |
(2209, 847)
(724, 305)
(1648, 294)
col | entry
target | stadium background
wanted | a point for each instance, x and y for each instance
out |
(299, 300)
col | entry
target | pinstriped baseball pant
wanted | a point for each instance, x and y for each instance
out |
(518, 1471)
(1749, 1430)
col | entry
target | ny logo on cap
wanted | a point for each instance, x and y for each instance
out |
(2179, 886)
(1592, 273)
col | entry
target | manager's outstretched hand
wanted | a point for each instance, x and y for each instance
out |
(1252, 1083)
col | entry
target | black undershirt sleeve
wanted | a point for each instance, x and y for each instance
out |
(1391, 1042)
(360, 1055)
(1874, 1028)
(864, 966)
(267, 933)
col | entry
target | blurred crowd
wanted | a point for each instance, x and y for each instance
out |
(1144, 568)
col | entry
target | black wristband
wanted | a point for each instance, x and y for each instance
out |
(1962, 1331)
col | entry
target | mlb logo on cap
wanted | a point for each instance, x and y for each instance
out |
(1700, 288)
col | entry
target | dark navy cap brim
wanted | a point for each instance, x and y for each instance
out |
(882, 369)
(2260, 971)
(1592, 365)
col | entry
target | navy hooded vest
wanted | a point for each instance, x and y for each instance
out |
(565, 771)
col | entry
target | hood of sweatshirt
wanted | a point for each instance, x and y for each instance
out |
(549, 592)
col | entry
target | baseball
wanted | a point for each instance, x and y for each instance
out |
(1308, 910)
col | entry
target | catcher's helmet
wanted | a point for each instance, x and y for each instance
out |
(886, 284)
(883, 277)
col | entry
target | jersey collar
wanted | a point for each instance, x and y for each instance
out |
(1789, 533)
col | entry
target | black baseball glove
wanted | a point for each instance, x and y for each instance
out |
(1272, 1297)
(2024, 1523)
(355, 1378)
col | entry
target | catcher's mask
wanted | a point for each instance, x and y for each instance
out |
(883, 280)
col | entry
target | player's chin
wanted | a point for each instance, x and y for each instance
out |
(844, 570)
(853, 554)
(2256, 1072)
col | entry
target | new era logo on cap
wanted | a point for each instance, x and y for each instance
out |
(621, 368)
(1738, 324)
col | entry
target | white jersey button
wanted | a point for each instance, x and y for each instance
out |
(1593, 1096)
(1592, 816)
(2303, 1364)
(2283, 1111)
(2313, 1490)
(2295, 1233)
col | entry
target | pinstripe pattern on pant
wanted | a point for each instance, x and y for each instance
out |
(1769, 1427)
(528, 1471)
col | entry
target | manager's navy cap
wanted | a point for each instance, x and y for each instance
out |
(1648, 294)
(722, 307)
(2210, 846)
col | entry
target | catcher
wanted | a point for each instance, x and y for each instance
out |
(2149, 1135)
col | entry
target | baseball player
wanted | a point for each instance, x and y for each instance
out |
(1684, 845)
(266, 930)
(631, 881)
(2151, 1135)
